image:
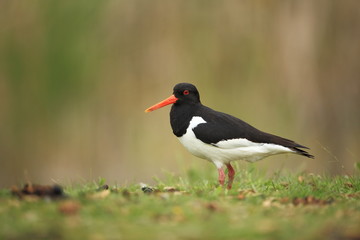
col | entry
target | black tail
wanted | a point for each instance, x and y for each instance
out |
(288, 143)
(302, 152)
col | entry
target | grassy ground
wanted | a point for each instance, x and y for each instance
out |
(302, 206)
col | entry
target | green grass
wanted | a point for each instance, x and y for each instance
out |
(301, 206)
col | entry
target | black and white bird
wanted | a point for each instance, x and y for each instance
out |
(219, 137)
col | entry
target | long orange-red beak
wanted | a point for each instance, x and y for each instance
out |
(169, 100)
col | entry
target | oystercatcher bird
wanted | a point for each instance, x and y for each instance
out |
(219, 137)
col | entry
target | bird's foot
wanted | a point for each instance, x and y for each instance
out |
(221, 176)
(231, 175)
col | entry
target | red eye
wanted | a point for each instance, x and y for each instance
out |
(186, 92)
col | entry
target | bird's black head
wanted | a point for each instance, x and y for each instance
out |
(183, 93)
(186, 101)
(186, 93)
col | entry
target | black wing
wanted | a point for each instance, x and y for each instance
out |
(221, 126)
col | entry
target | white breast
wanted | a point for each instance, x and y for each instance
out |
(226, 151)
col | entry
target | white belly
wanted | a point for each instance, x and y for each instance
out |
(227, 150)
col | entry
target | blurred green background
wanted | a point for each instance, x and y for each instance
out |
(76, 77)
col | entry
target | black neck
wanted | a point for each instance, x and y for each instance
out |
(180, 116)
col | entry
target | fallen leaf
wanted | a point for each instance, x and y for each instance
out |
(241, 196)
(179, 193)
(311, 200)
(213, 207)
(35, 191)
(353, 195)
(170, 189)
(268, 202)
(100, 195)
(284, 200)
(244, 193)
(69, 207)
(300, 179)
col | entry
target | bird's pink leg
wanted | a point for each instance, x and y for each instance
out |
(231, 174)
(221, 176)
